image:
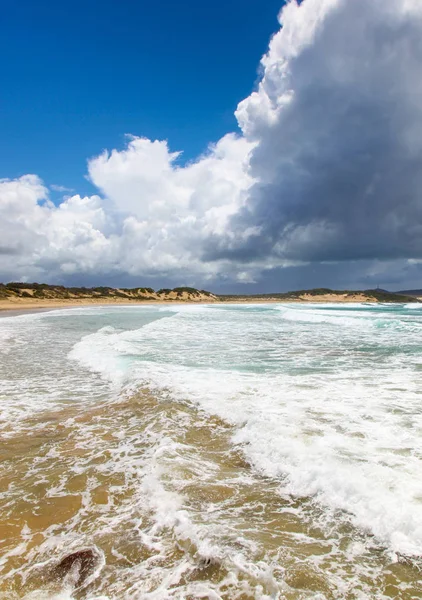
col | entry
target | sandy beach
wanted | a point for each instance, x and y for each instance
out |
(25, 305)
(36, 304)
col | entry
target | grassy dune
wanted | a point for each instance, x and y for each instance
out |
(28, 295)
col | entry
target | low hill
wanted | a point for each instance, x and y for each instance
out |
(43, 291)
(327, 295)
(27, 295)
(417, 293)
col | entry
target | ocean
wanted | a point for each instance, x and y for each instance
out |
(236, 451)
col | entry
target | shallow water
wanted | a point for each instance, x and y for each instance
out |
(269, 451)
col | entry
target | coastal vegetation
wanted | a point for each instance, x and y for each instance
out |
(317, 294)
(44, 291)
(19, 291)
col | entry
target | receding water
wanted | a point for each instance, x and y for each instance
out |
(221, 451)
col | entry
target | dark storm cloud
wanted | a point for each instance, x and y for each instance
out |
(7, 251)
(339, 169)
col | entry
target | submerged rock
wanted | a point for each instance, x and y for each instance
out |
(79, 567)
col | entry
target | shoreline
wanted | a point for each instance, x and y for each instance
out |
(15, 307)
(36, 305)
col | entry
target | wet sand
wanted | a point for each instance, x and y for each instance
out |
(157, 488)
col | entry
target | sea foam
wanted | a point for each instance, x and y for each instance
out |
(319, 399)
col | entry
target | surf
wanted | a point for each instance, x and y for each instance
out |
(228, 451)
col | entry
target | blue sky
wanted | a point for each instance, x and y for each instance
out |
(78, 75)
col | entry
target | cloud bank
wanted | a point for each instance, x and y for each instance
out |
(324, 176)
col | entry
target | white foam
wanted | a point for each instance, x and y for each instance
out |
(413, 306)
(325, 400)
(318, 316)
(332, 421)
(101, 352)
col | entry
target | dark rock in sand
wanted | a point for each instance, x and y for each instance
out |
(78, 566)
